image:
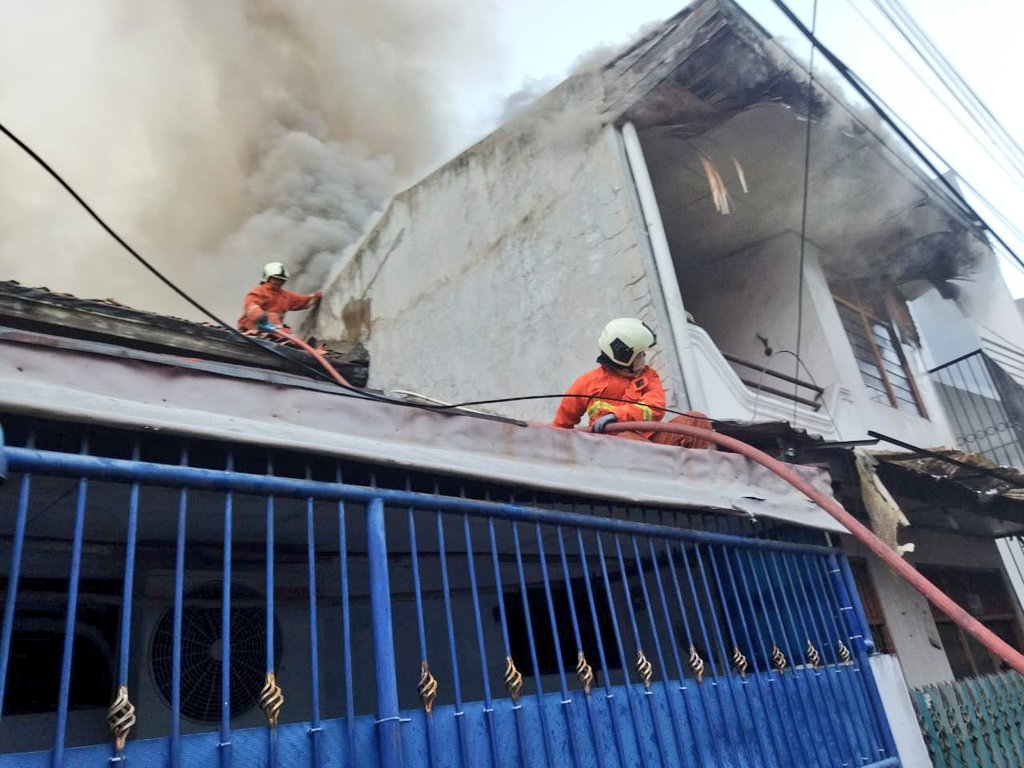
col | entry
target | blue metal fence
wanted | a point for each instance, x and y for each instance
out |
(419, 628)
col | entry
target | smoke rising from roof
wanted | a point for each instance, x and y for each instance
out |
(215, 136)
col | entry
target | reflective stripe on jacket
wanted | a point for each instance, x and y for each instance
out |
(645, 388)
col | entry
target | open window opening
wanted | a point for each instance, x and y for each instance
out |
(765, 223)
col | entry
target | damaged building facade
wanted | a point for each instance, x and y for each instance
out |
(699, 182)
(215, 557)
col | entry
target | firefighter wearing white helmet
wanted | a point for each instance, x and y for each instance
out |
(275, 269)
(265, 305)
(624, 388)
(625, 341)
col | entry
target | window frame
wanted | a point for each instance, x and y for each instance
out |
(866, 318)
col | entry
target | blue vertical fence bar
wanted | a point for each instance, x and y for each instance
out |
(460, 712)
(70, 618)
(270, 664)
(346, 625)
(225, 629)
(389, 735)
(315, 727)
(517, 707)
(179, 594)
(481, 645)
(13, 575)
(421, 630)
(121, 709)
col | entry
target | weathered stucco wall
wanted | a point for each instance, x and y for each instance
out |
(493, 277)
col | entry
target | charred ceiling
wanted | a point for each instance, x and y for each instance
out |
(738, 142)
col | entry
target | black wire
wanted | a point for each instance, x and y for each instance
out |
(873, 102)
(803, 213)
(271, 348)
(495, 401)
(349, 391)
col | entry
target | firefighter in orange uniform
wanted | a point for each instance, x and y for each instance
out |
(266, 304)
(623, 375)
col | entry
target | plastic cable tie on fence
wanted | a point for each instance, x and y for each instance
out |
(567, 701)
(314, 730)
(222, 744)
(394, 719)
(459, 714)
(488, 710)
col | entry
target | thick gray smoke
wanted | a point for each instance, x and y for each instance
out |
(216, 136)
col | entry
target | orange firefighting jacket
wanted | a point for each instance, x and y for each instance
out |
(645, 388)
(268, 299)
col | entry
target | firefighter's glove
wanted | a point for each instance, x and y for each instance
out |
(602, 422)
(263, 324)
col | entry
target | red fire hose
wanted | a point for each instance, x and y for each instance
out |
(937, 597)
(283, 334)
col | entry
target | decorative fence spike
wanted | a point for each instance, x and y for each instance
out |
(779, 660)
(644, 668)
(584, 672)
(513, 679)
(696, 664)
(813, 657)
(739, 661)
(271, 699)
(427, 688)
(844, 653)
(121, 717)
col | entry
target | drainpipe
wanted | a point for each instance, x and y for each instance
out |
(667, 278)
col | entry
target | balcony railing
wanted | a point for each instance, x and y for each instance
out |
(803, 392)
(985, 407)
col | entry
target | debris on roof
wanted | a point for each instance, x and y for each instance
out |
(60, 314)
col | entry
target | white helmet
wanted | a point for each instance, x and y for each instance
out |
(274, 269)
(624, 338)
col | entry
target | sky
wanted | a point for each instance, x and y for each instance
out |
(218, 136)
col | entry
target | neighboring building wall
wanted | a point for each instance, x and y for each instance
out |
(908, 615)
(493, 277)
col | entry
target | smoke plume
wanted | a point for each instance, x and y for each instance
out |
(216, 136)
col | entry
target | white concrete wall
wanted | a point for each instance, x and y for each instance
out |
(493, 277)
(754, 292)
(986, 299)
(899, 710)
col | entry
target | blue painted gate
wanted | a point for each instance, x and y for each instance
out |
(419, 627)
